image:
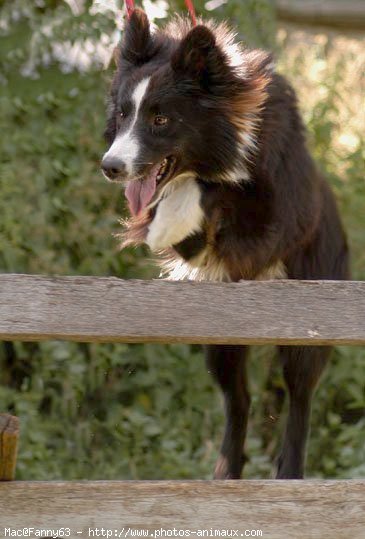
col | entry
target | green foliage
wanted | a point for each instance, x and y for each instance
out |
(254, 19)
(133, 411)
(113, 411)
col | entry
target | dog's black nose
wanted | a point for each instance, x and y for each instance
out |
(112, 168)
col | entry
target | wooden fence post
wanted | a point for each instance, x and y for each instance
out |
(9, 434)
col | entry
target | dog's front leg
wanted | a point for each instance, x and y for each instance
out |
(227, 364)
(302, 366)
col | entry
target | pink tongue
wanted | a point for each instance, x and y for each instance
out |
(140, 192)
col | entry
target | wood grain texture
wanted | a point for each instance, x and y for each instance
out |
(281, 509)
(9, 435)
(87, 309)
(343, 14)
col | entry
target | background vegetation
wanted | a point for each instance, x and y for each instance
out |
(133, 411)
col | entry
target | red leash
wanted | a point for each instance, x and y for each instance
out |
(191, 9)
(129, 4)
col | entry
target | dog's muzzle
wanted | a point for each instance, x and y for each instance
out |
(113, 168)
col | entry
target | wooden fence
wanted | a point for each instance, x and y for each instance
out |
(342, 14)
(89, 309)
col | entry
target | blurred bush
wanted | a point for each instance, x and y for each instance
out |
(133, 411)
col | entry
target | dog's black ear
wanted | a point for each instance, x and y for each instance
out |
(198, 56)
(136, 45)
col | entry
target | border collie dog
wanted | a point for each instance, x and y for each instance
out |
(211, 147)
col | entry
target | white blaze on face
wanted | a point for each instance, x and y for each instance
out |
(126, 146)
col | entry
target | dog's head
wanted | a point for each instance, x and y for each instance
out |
(182, 104)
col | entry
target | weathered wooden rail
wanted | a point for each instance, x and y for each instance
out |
(89, 309)
(97, 309)
(279, 509)
(342, 14)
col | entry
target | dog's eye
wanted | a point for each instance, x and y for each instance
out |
(160, 120)
(121, 115)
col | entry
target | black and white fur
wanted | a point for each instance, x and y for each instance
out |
(220, 182)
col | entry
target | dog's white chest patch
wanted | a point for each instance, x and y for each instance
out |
(178, 216)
